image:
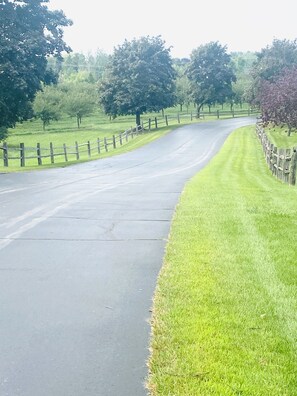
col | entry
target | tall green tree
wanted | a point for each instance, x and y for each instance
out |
(29, 32)
(211, 75)
(139, 78)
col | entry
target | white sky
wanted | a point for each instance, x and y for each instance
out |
(184, 24)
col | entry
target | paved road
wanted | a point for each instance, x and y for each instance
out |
(80, 251)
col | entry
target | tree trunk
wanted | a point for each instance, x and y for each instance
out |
(181, 107)
(77, 119)
(137, 119)
(198, 109)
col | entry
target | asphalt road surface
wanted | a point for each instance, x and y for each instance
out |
(80, 252)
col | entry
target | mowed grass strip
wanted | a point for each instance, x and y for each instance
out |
(225, 308)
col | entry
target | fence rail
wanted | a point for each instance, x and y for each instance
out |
(281, 161)
(90, 148)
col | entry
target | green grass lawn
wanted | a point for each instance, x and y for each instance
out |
(225, 308)
(279, 137)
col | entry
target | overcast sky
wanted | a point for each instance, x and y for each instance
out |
(184, 25)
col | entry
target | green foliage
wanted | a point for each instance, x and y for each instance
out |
(270, 63)
(92, 64)
(3, 133)
(242, 63)
(211, 75)
(224, 317)
(79, 100)
(47, 105)
(139, 78)
(29, 32)
(182, 91)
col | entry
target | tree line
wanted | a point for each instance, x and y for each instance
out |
(39, 76)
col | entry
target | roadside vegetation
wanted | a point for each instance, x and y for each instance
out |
(279, 136)
(224, 315)
(94, 126)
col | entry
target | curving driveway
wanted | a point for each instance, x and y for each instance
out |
(80, 251)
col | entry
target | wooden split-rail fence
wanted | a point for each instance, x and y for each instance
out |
(22, 153)
(281, 161)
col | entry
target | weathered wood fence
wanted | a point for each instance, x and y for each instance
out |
(22, 153)
(281, 161)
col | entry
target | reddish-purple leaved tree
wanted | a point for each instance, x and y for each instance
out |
(278, 100)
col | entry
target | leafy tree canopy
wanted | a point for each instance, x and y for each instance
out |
(29, 32)
(139, 78)
(273, 59)
(48, 104)
(270, 63)
(79, 99)
(211, 75)
(278, 100)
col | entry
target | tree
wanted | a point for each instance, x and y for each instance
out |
(139, 78)
(242, 63)
(182, 91)
(270, 63)
(278, 100)
(210, 74)
(29, 32)
(47, 105)
(79, 100)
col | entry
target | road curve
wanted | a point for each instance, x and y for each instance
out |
(80, 251)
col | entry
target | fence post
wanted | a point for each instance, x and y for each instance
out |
(52, 153)
(218, 114)
(293, 167)
(126, 133)
(281, 164)
(76, 151)
(191, 116)
(178, 118)
(5, 154)
(65, 152)
(98, 145)
(288, 156)
(105, 144)
(114, 142)
(149, 124)
(121, 140)
(89, 148)
(166, 120)
(22, 154)
(38, 150)
(156, 123)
